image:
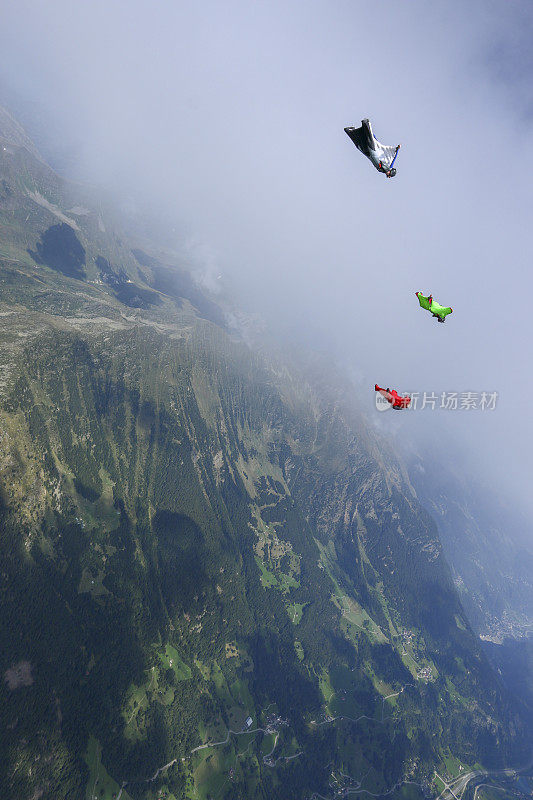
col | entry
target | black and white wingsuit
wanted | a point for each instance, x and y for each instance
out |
(382, 156)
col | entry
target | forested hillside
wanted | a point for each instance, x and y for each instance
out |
(216, 582)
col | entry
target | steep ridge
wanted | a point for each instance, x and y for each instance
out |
(12, 133)
(491, 564)
(216, 581)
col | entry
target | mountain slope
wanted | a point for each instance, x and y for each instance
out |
(492, 568)
(213, 575)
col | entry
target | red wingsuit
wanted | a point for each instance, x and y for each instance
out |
(392, 396)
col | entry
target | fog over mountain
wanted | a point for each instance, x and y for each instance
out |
(227, 121)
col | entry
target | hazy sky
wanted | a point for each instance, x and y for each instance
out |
(230, 116)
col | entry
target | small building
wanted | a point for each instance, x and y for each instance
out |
(248, 722)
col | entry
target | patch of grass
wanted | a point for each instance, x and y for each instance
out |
(101, 785)
(295, 611)
(299, 649)
(240, 693)
(409, 792)
(351, 611)
(454, 693)
(268, 743)
(356, 615)
(324, 683)
(268, 579)
(91, 582)
(168, 698)
(170, 659)
(236, 716)
(346, 705)
(287, 582)
(453, 765)
(136, 703)
(221, 684)
(204, 669)
(210, 775)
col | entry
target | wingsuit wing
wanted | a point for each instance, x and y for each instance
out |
(424, 301)
(362, 137)
(440, 311)
(384, 393)
(434, 307)
(365, 141)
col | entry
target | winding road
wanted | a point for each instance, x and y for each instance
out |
(456, 788)
(452, 790)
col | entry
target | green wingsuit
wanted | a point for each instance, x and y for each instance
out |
(438, 311)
